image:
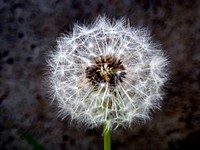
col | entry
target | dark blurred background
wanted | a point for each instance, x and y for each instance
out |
(29, 28)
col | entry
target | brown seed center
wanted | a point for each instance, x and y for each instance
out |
(105, 69)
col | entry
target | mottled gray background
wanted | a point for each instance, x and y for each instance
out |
(29, 28)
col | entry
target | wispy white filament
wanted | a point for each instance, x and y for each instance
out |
(129, 101)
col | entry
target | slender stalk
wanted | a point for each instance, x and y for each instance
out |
(106, 136)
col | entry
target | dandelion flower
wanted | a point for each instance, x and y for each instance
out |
(107, 72)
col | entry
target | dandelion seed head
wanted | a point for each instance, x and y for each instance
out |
(107, 72)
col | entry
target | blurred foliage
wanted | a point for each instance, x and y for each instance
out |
(32, 141)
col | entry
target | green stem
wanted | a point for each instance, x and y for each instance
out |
(106, 136)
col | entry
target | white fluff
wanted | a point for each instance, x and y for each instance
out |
(132, 100)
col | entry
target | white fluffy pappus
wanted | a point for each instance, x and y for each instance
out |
(107, 72)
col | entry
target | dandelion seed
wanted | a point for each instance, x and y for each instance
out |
(107, 72)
